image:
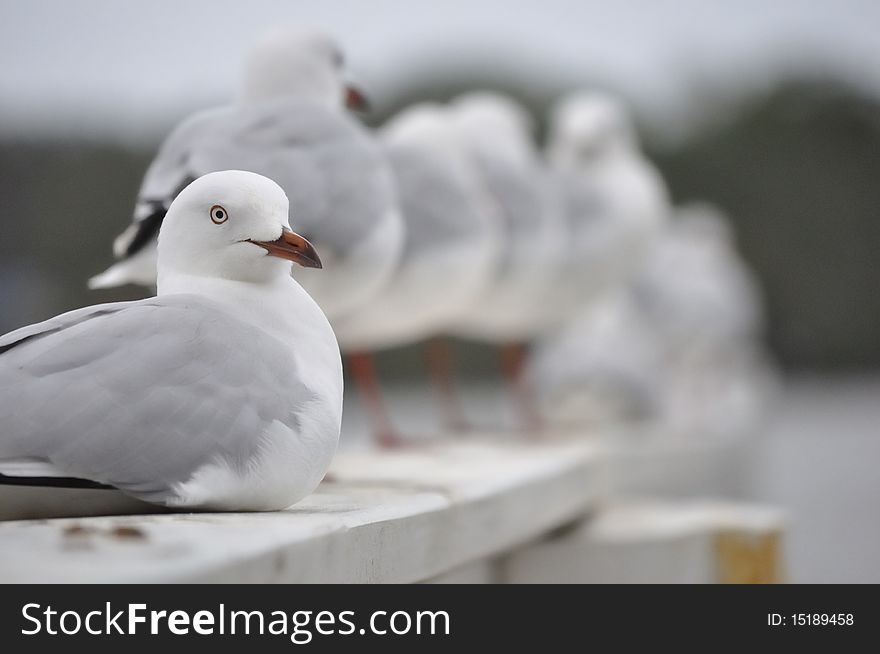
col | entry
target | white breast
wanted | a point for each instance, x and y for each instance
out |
(289, 466)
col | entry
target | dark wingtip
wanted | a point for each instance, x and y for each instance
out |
(147, 230)
(53, 482)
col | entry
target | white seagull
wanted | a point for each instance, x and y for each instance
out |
(705, 308)
(289, 124)
(451, 246)
(223, 392)
(602, 369)
(617, 202)
(675, 352)
(520, 300)
(695, 289)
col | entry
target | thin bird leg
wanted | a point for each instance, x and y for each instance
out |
(441, 364)
(364, 371)
(512, 359)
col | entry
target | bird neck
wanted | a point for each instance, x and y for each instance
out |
(280, 307)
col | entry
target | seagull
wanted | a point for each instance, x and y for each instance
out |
(603, 368)
(676, 351)
(616, 201)
(520, 301)
(222, 392)
(694, 287)
(451, 247)
(289, 124)
(705, 308)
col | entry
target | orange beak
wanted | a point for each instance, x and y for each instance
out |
(355, 99)
(293, 247)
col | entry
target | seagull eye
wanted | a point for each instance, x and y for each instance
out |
(219, 214)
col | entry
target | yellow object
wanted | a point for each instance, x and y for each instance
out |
(743, 558)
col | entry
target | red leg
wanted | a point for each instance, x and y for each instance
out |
(441, 365)
(364, 372)
(512, 359)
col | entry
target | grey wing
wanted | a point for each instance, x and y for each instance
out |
(591, 227)
(517, 189)
(174, 163)
(335, 177)
(438, 210)
(19, 336)
(139, 395)
(520, 197)
(583, 203)
(169, 173)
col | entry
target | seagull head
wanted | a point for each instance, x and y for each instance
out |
(494, 123)
(299, 62)
(424, 125)
(586, 128)
(231, 225)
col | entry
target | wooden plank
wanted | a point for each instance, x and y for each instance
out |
(400, 516)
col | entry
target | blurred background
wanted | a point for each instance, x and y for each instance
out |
(769, 110)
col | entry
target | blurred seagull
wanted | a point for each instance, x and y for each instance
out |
(694, 287)
(616, 201)
(289, 123)
(450, 249)
(223, 392)
(520, 300)
(603, 368)
(676, 351)
(705, 309)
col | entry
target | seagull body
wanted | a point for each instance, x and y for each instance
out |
(289, 125)
(451, 242)
(603, 367)
(694, 287)
(705, 310)
(222, 392)
(616, 201)
(515, 306)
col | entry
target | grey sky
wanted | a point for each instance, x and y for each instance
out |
(131, 67)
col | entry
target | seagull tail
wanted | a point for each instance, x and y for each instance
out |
(139, 269)
(115, 275)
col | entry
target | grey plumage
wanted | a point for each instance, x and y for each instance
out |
(327, 164)
(437, 204)
(519, 193)
(73, 392)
